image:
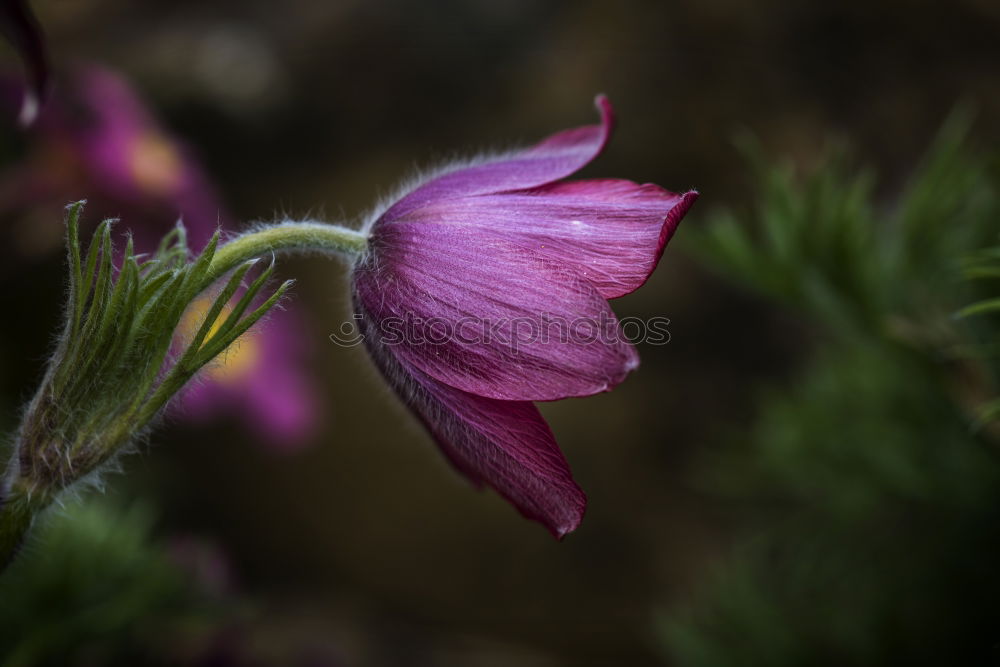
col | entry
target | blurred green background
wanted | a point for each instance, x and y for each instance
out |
(365, 548)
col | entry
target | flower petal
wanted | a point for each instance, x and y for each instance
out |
(555, 158)
(504, 444)
(470, 309)
(610, 231)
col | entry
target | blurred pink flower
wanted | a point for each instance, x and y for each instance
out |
(96, 140)
(261, 379)
(22, 30)
(486, 288)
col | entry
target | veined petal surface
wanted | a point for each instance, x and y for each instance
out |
(504, 444)
(611, 232)
(473, 310)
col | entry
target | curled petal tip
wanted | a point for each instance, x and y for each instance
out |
(674, 218)
(606, 110)
(562, 530)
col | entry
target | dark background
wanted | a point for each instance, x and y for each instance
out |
(366, 543)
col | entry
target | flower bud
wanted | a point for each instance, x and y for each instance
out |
(113, 369)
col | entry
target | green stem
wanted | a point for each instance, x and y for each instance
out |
(306, 236)
(17, 512)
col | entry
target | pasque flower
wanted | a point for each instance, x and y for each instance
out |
(478, 250)
(500, 242)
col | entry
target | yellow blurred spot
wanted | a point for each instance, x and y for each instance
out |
(155, 164)
(238, 360)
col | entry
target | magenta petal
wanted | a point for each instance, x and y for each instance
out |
(504, 444)
(477, 312)
(557, 157)
(612, 232)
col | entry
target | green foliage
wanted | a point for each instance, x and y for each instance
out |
(113, 371)
(96, 590)
(822, 243)
(868, 492)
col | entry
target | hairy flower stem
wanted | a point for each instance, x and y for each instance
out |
(17, 512)
(111, 373)
(304, 236)
(14, 523)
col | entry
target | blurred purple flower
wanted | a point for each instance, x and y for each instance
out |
(20, 27)
(96, 140)
(497, 244)
(261, 379)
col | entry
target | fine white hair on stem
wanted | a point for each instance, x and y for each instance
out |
(420, 176)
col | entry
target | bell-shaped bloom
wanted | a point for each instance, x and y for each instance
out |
(97, 140)
(486, 288)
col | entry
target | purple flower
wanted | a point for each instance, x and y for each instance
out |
(98, 141)
(486, 288)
